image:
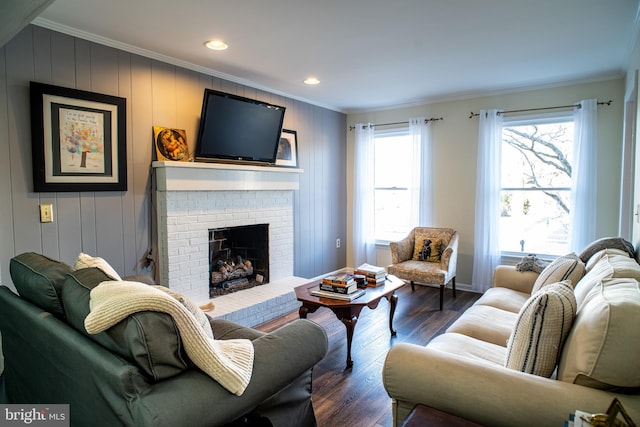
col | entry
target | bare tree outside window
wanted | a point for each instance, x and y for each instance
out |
(536, 187)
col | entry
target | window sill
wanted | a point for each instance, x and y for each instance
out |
(512, 258)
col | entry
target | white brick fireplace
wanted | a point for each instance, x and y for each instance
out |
(193, 198)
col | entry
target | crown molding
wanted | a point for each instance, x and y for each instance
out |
(85, 35)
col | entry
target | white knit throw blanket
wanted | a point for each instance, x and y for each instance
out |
(229, 362)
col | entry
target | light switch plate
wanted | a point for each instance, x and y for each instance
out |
(46, 213)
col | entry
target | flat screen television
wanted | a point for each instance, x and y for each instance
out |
(238, 129)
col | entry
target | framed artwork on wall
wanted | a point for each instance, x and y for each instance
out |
(170, 144)
(78, 140)
(288, 149)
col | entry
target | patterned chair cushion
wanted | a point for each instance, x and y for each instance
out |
(419, 271)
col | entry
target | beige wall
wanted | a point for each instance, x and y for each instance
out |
(455, 149)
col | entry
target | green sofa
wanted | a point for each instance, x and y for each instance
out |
(137, 372)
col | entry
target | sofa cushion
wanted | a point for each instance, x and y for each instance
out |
(87, 261)
(602, 348)
(541, 329)
(605, 243)
(39, 279)
(567, 267)
(485, 323)
(610, 264)
(504, 299)
(599, 255)
(148, 339)
(463, 345)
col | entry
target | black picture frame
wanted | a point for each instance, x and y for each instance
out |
(288, 149)
(78, 140)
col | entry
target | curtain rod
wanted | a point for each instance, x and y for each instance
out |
(433, 119)
(542, 108)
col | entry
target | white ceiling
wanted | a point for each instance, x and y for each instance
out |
(369, 54)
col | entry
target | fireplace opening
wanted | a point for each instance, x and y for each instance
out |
(238, 258)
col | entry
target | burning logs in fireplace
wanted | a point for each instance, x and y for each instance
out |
(228, 270)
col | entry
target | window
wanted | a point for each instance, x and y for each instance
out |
(536, 185)
(392, 184)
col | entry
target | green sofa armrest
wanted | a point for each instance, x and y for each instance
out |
(281, 357)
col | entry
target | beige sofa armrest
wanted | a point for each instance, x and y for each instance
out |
(506, 276)
(402, 250)
(486, 393)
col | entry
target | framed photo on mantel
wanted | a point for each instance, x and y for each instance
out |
(78, 140)
(288, 149)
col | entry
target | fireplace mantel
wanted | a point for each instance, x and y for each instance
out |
(193, 198)
(198, 176)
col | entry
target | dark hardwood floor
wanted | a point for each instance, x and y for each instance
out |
(356, 397)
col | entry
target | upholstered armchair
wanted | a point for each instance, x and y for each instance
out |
(427, 256)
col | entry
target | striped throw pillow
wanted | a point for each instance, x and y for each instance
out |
(540, 330)
(567, 267)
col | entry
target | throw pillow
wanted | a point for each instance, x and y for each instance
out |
(568, 267)
(427, 249)
(542, 326)
(87, 261)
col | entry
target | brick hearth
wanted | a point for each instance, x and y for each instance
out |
(260, 304)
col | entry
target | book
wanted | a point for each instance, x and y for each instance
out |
(339, 279)
(374, 283)
(335, 295)
(339, 289)
(371, 271)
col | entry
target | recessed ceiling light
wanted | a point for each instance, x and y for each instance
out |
(311, 81)
(216, 45)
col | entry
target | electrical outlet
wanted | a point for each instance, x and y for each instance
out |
(337, 243)
(46, 213)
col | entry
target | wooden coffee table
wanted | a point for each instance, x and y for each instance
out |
(348, 311)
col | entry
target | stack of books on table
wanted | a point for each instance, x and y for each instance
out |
(375, 276)
(340, 286)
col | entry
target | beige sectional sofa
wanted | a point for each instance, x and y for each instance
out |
(532, 349)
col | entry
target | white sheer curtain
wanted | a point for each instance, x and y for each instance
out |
(364, 243)
(486, 254)
(583, 176)
(421, 173)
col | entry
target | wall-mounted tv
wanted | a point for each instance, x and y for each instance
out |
(238, 129)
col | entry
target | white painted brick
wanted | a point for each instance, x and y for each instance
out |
(185, 218)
